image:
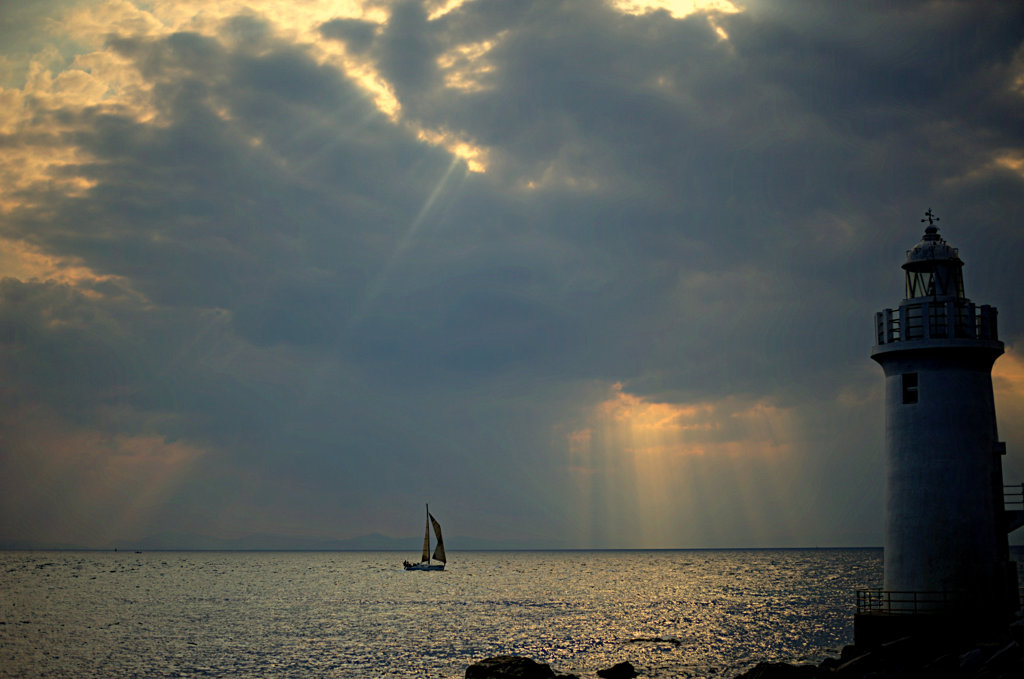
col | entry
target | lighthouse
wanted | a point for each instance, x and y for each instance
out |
(946, 557)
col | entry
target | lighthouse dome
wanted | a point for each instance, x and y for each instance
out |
(930, 250)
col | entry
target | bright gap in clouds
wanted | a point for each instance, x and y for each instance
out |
(25, 261)
(464, 67)
(680, 9)
(444, 7)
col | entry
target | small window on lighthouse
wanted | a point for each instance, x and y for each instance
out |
(909, 387)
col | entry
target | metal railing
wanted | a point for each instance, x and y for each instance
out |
(892, 602)
(1013, 506)
(948, 319)
(1013, 497)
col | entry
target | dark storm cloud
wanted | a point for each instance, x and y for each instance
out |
(343, 315)
(276, 207)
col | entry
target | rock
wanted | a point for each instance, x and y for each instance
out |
(829, 664)
(622, 670)
(858, 665)
(946, 665)
(972, 660)
(509, 667)
(1004, 656)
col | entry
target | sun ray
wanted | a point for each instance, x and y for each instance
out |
(642, 467)
(405, 242)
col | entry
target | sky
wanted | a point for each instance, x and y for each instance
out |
(577, 273)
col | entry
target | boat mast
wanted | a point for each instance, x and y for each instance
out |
(426, 531)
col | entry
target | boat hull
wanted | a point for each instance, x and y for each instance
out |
(424, 567)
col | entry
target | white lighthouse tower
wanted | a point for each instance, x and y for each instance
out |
(946, 551)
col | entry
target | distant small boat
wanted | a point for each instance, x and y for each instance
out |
(424, 564)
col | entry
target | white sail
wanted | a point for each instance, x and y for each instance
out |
(439, 550)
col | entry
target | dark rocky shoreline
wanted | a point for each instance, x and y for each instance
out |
(515, 667)
(1000, 656)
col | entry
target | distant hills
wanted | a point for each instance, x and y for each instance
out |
(264, 541)
(374, 541)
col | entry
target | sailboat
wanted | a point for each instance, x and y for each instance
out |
(424, 564)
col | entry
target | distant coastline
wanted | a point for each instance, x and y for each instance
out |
(365, 543)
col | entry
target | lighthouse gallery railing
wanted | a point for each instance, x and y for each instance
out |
(946, 319)
(888, 602)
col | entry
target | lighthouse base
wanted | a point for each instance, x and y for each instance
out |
(872, 630)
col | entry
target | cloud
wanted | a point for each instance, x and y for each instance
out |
(321, 258)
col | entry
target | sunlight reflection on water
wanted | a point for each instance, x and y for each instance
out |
(358, 614)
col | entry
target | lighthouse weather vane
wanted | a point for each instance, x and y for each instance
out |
(931, 218)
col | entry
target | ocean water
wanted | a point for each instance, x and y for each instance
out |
(693, 613)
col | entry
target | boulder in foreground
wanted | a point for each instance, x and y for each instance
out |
(509, 667)
(622, 670)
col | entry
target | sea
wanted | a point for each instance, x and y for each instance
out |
(671, 613)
